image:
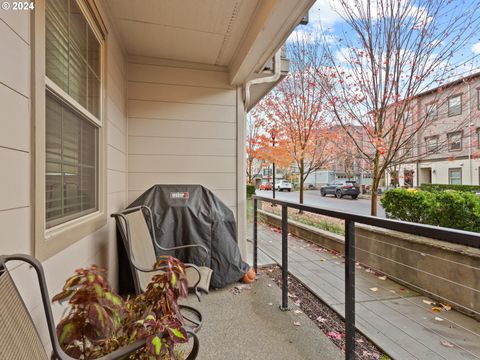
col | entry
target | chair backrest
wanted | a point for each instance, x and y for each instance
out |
(138, 243)
(19, 338)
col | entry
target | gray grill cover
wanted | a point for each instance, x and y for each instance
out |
(192, 214)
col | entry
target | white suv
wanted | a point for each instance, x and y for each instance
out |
(283, 185)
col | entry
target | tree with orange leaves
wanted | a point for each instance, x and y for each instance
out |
(295, 110)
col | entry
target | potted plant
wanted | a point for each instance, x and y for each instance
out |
(98, 321)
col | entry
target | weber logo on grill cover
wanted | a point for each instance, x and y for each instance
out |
(180, 195)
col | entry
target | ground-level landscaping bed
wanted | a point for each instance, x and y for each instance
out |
(324, 317)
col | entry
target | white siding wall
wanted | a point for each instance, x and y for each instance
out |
(182, 128)
(16, 178)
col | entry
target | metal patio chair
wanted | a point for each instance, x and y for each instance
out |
(140, 245)
(19, 338)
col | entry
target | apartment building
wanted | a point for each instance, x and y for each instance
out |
(445, 150)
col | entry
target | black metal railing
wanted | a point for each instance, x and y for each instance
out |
(449, 235)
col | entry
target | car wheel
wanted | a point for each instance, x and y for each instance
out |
(289, 190)
(323, 193)
(338, 194)
(354, 197)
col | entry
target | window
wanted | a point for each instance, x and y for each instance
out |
(72, 113)
(455, 105)
(432, 144)
(71, 163)
(455, 141)
(69, 134)
(478, 138)
(431, 112)
(478, 98)
(455, 176)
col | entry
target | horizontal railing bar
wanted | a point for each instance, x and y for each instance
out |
(454, 236)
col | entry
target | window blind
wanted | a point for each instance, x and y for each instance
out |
(73, 53)
(71, 163)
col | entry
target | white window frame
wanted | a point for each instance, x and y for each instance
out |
(450, 171)
(48, 242)
(429, 114)
(449, 112)
(435, 149)
(449, 140)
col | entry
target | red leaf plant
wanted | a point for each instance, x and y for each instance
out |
(98, 321)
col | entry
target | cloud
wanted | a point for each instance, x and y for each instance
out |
(476, 48)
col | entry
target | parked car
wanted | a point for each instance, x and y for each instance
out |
(340, 188)
(266, 186)
(283, 185)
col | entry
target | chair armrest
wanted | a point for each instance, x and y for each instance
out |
(187, 265)
(196, 345)
(204, 248)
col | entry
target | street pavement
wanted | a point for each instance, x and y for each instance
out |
(313, 197)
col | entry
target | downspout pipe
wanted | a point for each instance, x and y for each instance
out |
(277, 70)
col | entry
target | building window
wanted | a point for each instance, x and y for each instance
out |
(455, 141)
(455, 105)
(432, 144)
(455, 176)
(478, 99)
(72, 118)
(431, 112)
(478, 138)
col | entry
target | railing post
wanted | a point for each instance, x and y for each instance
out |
(255, 234)
(349, 290)
(284, 306)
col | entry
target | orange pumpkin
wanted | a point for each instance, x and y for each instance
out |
(249, 276)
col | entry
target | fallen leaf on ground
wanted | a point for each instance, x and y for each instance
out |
(321, 319)
(297, 311)
(360, 341)
(239, 288)
(335, 335)
(296, 323)
(447, 343)
(270, 304)
(437, 309)
(374, 289)
(269, 285)
(322, 259)
(446, 307)
(438, 318)
(382, 278)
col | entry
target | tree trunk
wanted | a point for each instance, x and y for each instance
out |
(375, 182)
(302, 173)
(373, 204)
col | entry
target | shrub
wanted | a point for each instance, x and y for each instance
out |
(98, 321)
(453, 209)
(250, 191)
(443, 187)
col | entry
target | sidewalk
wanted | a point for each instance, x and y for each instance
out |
(248, 325)
(395, 318)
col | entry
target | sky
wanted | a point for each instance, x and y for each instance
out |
(323, 18)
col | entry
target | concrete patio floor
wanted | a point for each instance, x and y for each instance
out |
(392, 316)
(250, 326)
